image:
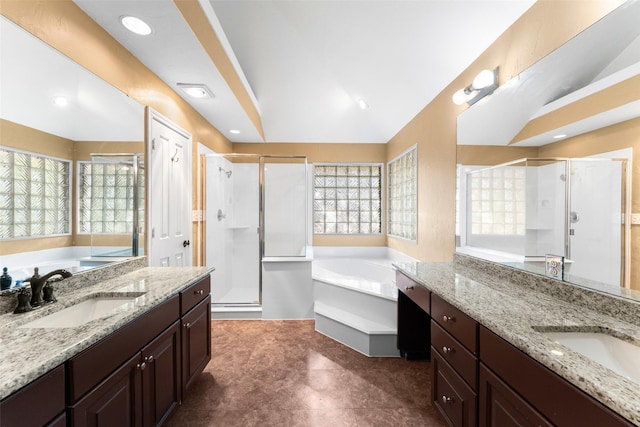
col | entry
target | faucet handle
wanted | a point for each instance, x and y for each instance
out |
(47, 292)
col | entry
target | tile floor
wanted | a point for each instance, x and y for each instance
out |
(283, 373)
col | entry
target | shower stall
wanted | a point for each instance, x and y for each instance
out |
(111, 204)
(532, 208)
(255, 211)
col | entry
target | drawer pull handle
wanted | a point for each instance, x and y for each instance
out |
(447, 350)
(409, 287)
(446, 318)
(446, 399)
(199, 292)
(141, 366)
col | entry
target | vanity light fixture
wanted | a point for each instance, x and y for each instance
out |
(483, 84)
(234, 131)
(198, 91)
(60, 101)
(135, 25)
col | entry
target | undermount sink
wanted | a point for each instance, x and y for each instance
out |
(613, 353)
(85, 311)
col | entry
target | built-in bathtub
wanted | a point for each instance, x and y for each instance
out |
(355, 297)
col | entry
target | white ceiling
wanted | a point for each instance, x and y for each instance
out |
(308, 62)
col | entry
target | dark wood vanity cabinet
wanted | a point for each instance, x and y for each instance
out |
(517, 387)
(156, 357)
(479, 379)
(40, 403)
(454, 367)
(414, 305)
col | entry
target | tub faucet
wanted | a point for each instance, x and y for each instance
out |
(37, 283)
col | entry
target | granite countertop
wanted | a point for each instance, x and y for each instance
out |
(512, 311)
(27, 353)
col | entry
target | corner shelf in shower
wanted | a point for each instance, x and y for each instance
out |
(238, 227)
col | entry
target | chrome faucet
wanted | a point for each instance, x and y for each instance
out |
(37, 283)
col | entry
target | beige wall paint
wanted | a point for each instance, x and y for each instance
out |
(543, 28)
(611, 138)
(490, 155)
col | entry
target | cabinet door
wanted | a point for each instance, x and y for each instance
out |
(456, 401)
(116, 401)
(500, 406)
(196, 341)
(161, 376)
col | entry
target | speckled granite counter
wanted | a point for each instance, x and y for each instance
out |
(513, 310)
(27, 353)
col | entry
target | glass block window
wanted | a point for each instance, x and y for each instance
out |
(498, 201)
(105, 198)
(347, 199)
(403, 195)
(34, 195)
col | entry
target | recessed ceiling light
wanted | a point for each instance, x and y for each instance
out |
(135, 25)
(198, 91)
(60, 101)
(234, 131)
(562, 135)
(362, 104)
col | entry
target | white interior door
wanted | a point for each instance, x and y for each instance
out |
(169, 190)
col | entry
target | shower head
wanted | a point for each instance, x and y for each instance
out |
(226, 172)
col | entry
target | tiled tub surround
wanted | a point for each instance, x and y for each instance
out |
(27, 353)
(514, 307)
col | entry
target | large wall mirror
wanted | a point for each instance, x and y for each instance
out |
(72, 162)
(549, 164)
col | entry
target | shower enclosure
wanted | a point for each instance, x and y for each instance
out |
(531, 208)
(111, 204)
(255, 209)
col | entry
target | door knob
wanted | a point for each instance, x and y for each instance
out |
(186, 243)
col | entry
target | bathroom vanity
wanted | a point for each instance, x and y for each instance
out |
(129, 367)
(493, 365)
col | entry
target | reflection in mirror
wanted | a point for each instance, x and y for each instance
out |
(580, 102)
(53, 115)
(526, 210)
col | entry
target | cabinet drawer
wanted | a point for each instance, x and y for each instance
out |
(36, 404)
(194, 294)
(557, 399)
(459, 325)
(450, 349)
(451, 395)
(418, 293)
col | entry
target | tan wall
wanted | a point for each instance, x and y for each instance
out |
(543, 28)
(329, 153)
(611, 138)
(490, 155)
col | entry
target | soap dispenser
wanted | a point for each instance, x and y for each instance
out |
(5, 280)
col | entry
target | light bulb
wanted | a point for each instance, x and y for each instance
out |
(136, 25)
(460, 97)
(484, 79)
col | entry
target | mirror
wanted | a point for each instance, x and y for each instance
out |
(36, 126)
(553, 124)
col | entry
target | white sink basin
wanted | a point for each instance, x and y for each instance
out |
(618, 355)
(83, 312)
